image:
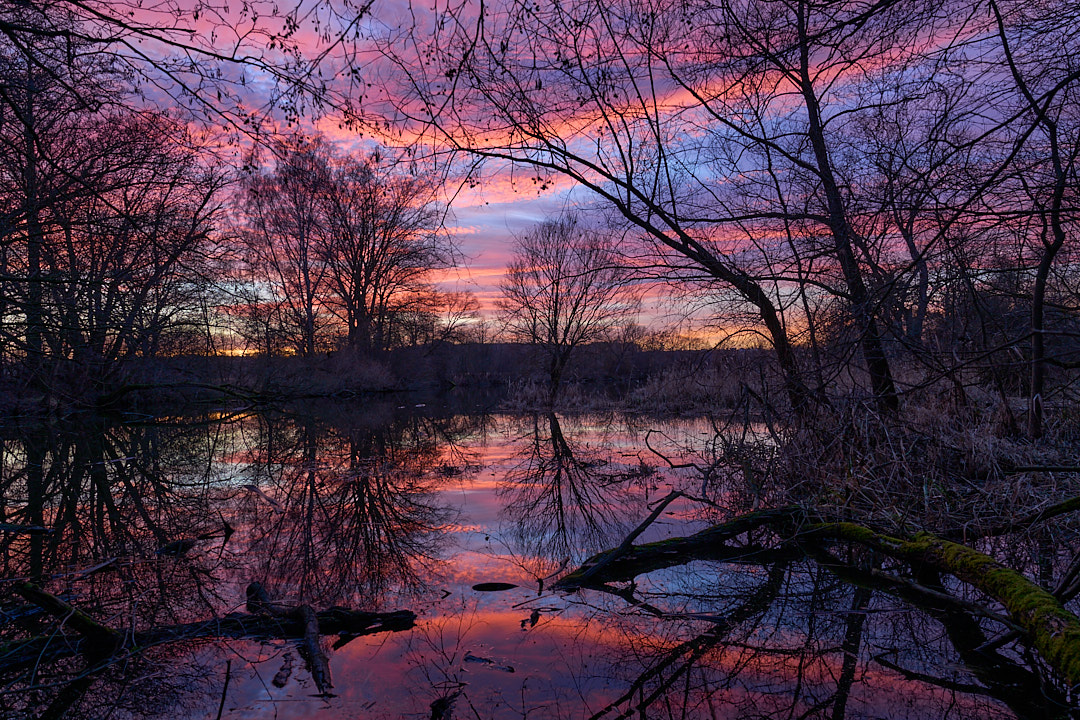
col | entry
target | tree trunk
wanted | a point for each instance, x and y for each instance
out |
(877, 364)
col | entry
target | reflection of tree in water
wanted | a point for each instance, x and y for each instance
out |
(791, 638)
(780, 632)
(106, 492)
(145, 508)
(563, 500)
(357, 516)
(131, 534)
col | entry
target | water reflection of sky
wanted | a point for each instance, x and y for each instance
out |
(403, 674)
(389, 510)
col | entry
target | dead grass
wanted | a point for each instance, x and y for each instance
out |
(929, 468)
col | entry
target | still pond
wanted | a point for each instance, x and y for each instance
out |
(464, 518)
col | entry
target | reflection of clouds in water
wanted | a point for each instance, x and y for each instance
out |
(367, 511)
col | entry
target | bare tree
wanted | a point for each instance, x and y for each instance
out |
(284, 237)
(109, 229)
(339, 246)
(1039, 51)
(820, 166)
(564, 288)
(381, 247)
(713, 128)
(231, 65)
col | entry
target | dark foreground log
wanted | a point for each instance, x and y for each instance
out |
(103, 638)
(1045, 623)
(1050, 628)
(713, 543)
(92, 639)
(258, 601)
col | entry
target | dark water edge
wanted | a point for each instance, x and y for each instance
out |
(410, 502)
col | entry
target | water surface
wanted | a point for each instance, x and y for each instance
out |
(384, 506)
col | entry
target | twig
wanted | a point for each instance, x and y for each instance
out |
(1062, 508)
(999, 641)
(224, 690)
(629, 541)
(665, 458)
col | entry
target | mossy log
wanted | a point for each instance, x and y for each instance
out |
(103, 639)
(1049, 627)
(1053, 630)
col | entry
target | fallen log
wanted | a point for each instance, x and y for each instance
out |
(93, 638)
(258, 600)
(1051, 629)
(318, 663)
(627, 562)
(103, 638)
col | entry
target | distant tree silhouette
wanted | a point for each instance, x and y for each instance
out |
(564, 288)
(340, 250)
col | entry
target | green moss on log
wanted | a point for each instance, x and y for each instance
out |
(1053, 630)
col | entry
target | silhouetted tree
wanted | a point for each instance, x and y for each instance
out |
(201, 58)
(338, 246)
(381, 248)
(284, 234)
(564, 288)
(108, 224)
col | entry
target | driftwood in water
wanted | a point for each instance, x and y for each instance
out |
(24, 529)
(318, 663)
(1044, 621)
(713, 543)
(103, 638)
(258, 601)
(92, 638)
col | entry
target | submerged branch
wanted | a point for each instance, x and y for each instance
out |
(1047, 625)
(96, 638)
(623, 564)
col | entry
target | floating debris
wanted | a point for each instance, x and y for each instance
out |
(282, 676)
(469, 657)
(25, 529)
(493, 587)
(177, 547)
(442, 708)
(273, 503)
(531, 621)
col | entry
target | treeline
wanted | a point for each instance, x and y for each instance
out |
(126, 233)
(884, 193)
(133, 236)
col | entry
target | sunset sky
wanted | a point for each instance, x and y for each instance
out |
(193, 44)
(380, 73)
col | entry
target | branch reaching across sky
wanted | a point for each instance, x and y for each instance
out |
(244, 67)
